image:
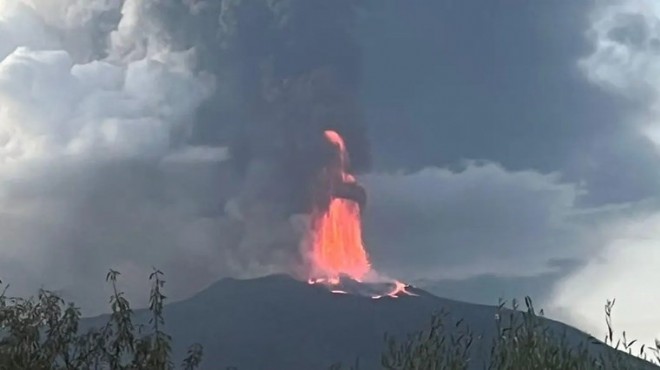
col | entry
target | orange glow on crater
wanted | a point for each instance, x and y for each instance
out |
(337, 246)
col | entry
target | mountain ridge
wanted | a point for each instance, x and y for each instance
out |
(277, 322)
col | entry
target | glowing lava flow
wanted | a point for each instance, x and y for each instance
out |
(337, 232)
(399, 288)
(337, 246)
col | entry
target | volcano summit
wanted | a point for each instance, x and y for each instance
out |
(279, 323)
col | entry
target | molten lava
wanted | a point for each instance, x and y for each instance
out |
(337, 248)
(399, 288)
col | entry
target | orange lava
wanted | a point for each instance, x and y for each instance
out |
(337, 246)
(337, 233)
(399, 288)
(327, 281)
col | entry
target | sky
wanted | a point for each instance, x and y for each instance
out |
(511, 147)
(514, 153)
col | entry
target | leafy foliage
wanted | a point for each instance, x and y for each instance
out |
(43, 333)
(523, 340)
(433, 348)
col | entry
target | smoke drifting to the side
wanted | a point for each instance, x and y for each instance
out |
(177, 133)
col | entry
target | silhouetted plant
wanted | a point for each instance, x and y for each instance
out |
(43, 333)
(433, 348)
(522, 340)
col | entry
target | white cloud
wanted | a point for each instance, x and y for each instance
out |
(625, 61)
(626, 270)
(437, 223)
(94, 170)
(626, 56)
(19, 26)
(441, 224)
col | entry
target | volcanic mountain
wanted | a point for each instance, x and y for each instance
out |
(279, 323)
(338, 311)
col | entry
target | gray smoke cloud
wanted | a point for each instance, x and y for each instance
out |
(173, 133)
(624, 60)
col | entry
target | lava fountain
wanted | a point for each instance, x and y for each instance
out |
(337, 246)
(337, 230)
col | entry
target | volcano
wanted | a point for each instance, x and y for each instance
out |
(338, 313)
(337, 254)
(280, 323)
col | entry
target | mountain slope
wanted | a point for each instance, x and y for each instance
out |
(277, 322)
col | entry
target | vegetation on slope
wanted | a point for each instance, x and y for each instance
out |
(42, 333)
(523, 340)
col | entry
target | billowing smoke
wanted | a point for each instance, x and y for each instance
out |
(294, 72)
(181, 134)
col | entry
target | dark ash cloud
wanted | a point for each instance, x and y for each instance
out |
(180, 134)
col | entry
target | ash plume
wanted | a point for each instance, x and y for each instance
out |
(178, 133)
(295, 68)
(289, 70)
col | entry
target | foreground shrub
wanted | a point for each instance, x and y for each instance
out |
(42, 333)
(523, 341)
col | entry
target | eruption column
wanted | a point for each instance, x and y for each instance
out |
(338, 248)
(337, 230)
